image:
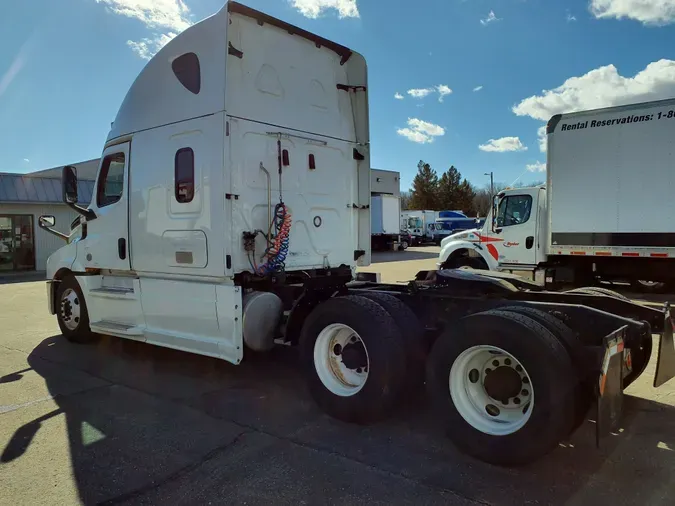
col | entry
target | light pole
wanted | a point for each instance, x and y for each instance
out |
(492, 184)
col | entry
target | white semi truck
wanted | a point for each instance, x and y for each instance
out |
(604, 212)
(230, 213)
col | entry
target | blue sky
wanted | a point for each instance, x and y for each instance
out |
(65, 67)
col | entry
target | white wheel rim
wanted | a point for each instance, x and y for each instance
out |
(648, 284)
(69, 309)
(474, 403)
(328, 360)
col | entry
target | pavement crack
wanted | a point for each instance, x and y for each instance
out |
(176, 474)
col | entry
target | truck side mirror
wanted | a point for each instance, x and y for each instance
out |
(495, 209)
(69, 183)
(46, 221)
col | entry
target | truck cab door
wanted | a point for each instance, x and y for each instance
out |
(515, 229)
(106, 245)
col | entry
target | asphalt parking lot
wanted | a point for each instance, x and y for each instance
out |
(121, 422)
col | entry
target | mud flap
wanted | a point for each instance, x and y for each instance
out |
(610, 391)
(665, 366)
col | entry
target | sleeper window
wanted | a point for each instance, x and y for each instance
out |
(110, 180)
(185, 175)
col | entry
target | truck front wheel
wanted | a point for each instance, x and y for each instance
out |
(504, 385)
(354, 359)
(71, 311)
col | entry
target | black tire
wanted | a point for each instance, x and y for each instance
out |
(412, 333)
(596, 290)
(548, 365)
(81, 333)
(576, 350)
(466, 261)
(386, 353)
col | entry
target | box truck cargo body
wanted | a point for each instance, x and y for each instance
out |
(385, 211)
(611, 181)
(606, 211)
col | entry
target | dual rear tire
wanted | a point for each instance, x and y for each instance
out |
(504, 386)
(504, 382)
(361, 354)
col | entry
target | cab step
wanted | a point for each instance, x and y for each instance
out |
(118, 329)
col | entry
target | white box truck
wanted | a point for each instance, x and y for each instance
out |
(605, 212)
(420, 224)
(231, 210)
(385, 211)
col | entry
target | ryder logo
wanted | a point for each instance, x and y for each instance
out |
(510, 244)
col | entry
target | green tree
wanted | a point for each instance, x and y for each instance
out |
(424, 194)
(455, 193)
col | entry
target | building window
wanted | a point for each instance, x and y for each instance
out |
(17, 249)
(186, 69)
(184, 167)
(110, 180)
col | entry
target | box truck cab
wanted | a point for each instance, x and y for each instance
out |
(241, 150)
(507, 243)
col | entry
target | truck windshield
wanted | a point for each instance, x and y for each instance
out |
(415, 222)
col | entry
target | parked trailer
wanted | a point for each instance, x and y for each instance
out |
(604, 212)
(385, 229)
(193, 245)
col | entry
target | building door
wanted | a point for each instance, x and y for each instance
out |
(17, 243)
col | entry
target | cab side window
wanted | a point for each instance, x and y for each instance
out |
(110, 180)
(184, 175)
(514, 210)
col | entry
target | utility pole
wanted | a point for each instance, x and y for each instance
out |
(492, 184)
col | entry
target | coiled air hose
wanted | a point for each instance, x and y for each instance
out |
(277, 249)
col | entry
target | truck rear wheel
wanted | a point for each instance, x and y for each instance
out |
(412, 334)
(354, 358)
(575, 348)
(71, 311)
(503, 385)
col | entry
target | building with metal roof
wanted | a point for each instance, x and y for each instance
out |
(23, 199)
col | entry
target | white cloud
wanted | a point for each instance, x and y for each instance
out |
(26, 160)
(602, 87)
(571, 18)
(398, 96)
(478, 88)
(503, 145)
(148, 47)
(15, 67)
(164, 14)
(166, 17)
(420, 92)
(443, 90)
(536, 167)
(421, 131)
(491, 18)
(315, 8)
(542, 137)
(648, 12)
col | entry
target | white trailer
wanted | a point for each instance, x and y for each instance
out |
(605, 211)
(212, 231)
(385, 229)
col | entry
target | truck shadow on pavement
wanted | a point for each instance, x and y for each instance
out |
(153, 425)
